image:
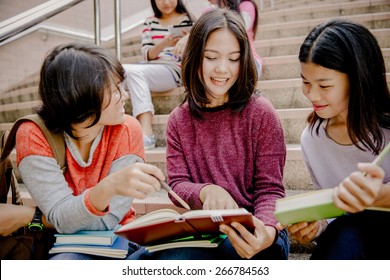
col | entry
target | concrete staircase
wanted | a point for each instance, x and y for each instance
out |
(281, 31)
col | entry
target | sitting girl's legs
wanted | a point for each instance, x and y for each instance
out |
(141, 79)
(353, 237)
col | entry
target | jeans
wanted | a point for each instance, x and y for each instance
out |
(355, 237)
(225, 251)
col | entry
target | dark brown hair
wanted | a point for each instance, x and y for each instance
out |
(192, 74)
(72, 84)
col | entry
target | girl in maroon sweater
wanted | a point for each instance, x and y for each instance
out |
(225, 144)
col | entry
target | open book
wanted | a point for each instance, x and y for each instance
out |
(309, 206)
(118, 250)
(167, 224)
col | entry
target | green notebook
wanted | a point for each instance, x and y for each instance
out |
(310, 206)
(315, 205)
(306, 207)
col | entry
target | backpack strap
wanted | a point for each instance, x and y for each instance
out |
(56, 140)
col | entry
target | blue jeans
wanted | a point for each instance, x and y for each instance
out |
(225, 251)
(355, 237)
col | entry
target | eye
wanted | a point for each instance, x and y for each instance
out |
(325, 87)
(210, 57)
(234, 60)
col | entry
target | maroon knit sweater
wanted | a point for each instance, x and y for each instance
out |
(242, 152)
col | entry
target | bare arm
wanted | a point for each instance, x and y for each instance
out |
(13, 217)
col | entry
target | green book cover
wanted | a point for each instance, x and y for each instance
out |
(315, 205)
(307, 207)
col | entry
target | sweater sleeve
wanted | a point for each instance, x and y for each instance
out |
(179, 176)
(269, 164)
(147, 42)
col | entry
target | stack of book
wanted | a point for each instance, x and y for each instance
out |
(99, 243)
(159, 230)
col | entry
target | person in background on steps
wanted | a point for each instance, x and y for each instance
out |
(344, 77)
(82, 98)
(225, 143)
(161, 70)
(248, 11)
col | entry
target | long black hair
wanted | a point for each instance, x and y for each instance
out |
(351, 48)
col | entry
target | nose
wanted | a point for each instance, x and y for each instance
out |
(222, 66)
(312, 94)
(124, 94)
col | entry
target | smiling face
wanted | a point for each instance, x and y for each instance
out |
(113, 112)
(327, 90)
(220, 66)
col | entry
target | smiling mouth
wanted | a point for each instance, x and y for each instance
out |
(219, 80)
(319, 107)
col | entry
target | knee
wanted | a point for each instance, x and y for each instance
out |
(133, 71)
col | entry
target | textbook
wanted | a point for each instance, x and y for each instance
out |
(205, 241)
(118, 250)
(310, 206)
(87, 237)
(167, 224)
(316, 205)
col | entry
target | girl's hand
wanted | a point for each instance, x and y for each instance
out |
(216, 197)
(180, 46)
(361, 189)
(306, 232)
(247, 244)
(137, 180)
(170, 41)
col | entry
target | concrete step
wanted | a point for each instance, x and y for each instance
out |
(283, 94)
(268, 48)
(303, 27)
(287, 4)
(300, 17)
(290, 45)
(323, 10)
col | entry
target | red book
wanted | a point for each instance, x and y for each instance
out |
(167, 224)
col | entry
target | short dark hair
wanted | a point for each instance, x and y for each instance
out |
(73, 81)
(180, 8)
(350, 48)
(192, 74)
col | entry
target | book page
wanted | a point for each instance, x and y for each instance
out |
(160, 215)
(208, 213)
